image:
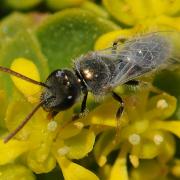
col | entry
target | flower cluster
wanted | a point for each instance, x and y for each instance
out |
(91, 147)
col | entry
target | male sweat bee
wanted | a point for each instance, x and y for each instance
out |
(99, 72)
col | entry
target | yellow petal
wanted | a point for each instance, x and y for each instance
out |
(105, 171)
(161, 106)
(150, 170)
(81, 144)
(11, 150)
(104, 146)
(172, 126)
(73, 171)
(137, 11)
(134, 160)
(163, 22)
(98, 117)
(173, 22)
(119, 169)
(176, 168)
(164, 141)
(27, 68)
(71, 130)
(106, 40)
(164, 7)
(148, 150)
(168, 148)
(121, 10)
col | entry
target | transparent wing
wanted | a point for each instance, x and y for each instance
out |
(125, 69)
(137, 56)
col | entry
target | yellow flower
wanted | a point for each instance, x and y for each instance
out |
(143, 135)
(137, 11)
(26, 67)
(42, 142)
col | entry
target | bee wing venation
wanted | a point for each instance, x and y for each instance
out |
(137, 56)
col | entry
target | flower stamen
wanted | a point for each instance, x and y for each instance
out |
(52, 126)
(134, 139)
(63, 150)
(162, 104)
(158, 139)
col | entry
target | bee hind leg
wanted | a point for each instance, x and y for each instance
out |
(119, 111)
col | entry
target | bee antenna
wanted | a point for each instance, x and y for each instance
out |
(28, 117)
(9, 71)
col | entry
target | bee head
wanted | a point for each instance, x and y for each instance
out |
(64, 89)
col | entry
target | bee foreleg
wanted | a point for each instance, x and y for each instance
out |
(83, 107)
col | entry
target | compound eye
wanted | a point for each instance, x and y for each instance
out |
(62, 77)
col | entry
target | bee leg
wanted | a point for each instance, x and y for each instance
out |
(119, 40)
(136, 83)
(51, 115)
(121, 108)
(83, 107)
(119, 112)
(132, 83)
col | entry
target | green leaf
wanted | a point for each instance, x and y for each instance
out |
(16, 40)
(70, 33)
(11, 25)
(3, 108)
(11, 150)
(23, 45)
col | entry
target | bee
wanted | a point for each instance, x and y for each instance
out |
(99, 72)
